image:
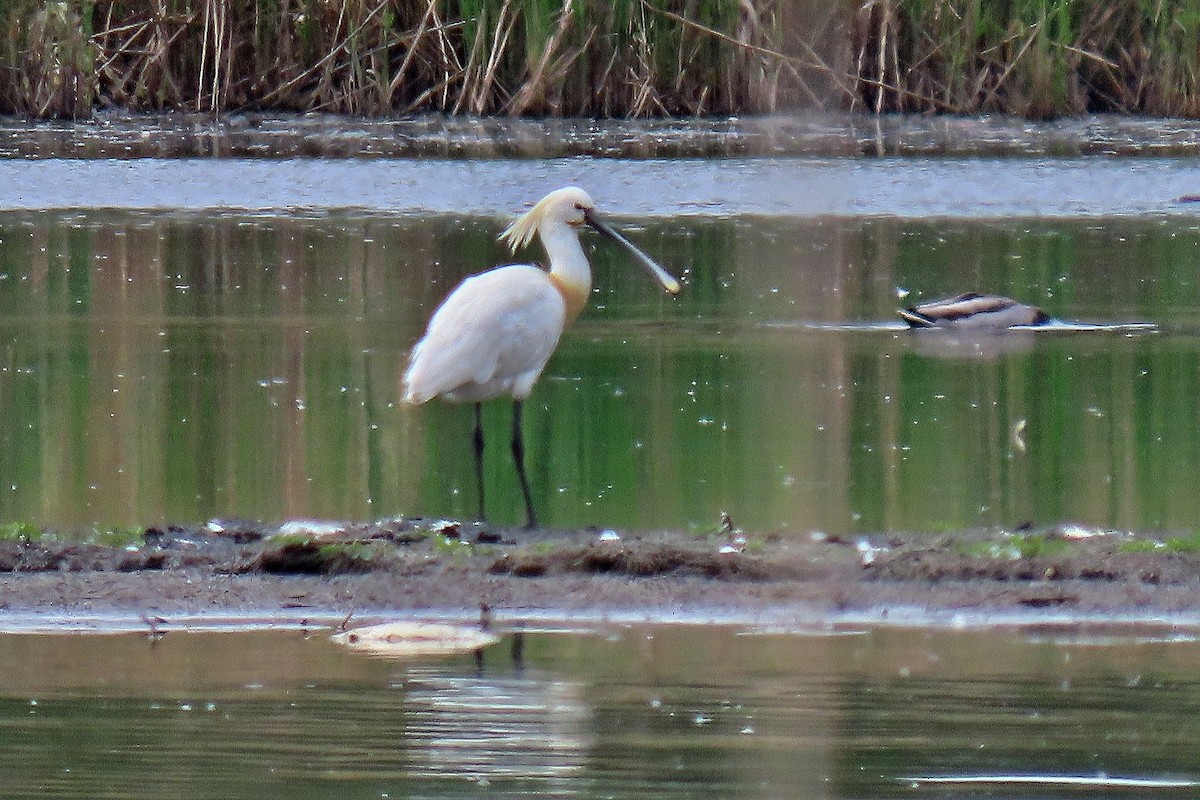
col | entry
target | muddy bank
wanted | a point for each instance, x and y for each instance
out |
(121, 135)
(323, 571)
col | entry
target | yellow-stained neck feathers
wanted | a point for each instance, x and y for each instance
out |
(555, 219)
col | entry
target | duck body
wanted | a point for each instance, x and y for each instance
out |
(974, 311)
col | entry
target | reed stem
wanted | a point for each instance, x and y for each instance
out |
(1037, 58)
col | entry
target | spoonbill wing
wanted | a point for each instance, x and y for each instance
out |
(492, 336)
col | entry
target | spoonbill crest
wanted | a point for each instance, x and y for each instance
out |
(494, 333)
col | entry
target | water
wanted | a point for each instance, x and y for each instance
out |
(959, 187)
(166, 366)
(185, 340)
(626, 711)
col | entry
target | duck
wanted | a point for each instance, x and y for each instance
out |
(974, 311)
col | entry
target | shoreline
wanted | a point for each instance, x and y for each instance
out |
(1105, 583)
(122, 135)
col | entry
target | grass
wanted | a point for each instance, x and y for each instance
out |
(107, 535)
(563, 57)
(1189, 543)
(1035, 58)
(1018, 545)
(19, 532)
(302, 555)
(623, 58)
(116, 535)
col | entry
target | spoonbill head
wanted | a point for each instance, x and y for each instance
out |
(493, 334)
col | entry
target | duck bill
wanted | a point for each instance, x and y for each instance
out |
(665, 279)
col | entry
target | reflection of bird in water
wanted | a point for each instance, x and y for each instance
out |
(497, 728)
(495, 332)
(974, 344)
(974, 311)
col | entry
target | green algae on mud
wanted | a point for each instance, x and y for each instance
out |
(443, 567)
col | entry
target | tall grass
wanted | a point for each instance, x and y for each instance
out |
(603, 58)
(1037, 58)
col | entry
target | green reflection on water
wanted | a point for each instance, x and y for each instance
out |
(641, 712)
(171, 368)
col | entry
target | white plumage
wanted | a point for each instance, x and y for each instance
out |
(493, 335)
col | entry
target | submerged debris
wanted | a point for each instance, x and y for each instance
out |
(413, 639)
(312, 528)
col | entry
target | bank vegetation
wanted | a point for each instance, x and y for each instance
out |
(601, 58)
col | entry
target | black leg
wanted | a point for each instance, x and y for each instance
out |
(518, 451)
(478, 440)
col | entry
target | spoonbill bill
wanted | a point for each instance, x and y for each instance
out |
(494, 333)
(974, 311)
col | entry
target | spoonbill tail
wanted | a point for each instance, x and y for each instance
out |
(493, 334)
(974, 311)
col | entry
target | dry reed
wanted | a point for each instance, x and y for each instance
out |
(1034, 58)
(618, 58)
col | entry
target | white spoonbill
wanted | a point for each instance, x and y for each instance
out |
(493, 334)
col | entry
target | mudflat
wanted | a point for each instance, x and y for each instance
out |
(307, 570)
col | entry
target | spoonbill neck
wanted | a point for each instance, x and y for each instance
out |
(569, 270)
